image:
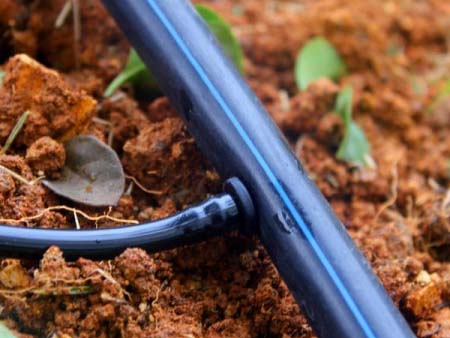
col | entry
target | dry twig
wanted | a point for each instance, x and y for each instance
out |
(63, 14)
(76, 31)
(77, 222)
(19, 177)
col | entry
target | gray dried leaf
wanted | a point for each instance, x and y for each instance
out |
(92, 174)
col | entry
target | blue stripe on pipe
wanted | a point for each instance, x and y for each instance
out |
(276, 184)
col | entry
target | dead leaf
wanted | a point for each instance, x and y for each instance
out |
(92, 174)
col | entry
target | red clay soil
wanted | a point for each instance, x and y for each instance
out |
(397, 53)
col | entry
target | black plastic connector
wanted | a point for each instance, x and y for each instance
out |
(237, 190)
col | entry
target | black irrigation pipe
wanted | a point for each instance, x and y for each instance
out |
(215, 216)
(326, 273)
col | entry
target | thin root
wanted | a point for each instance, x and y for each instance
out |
(108, 277)
(153, 192)
(74, 210)
(394, 187)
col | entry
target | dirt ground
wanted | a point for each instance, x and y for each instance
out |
(398, 56)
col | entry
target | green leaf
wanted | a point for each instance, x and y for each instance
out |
(443, 92)
(343, 105)
(354, 147)
(224, 34)
(2, 74)
(137, 73)
(5, 332)
(92, 174)
(134, 70)
(317, 59)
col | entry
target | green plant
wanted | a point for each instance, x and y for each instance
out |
(2, 74)
(14, 132)
(317, 59)
(354, 146)
(443, 92)
(222, 30)
(137, 73)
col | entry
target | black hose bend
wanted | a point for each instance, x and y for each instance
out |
(212, 217)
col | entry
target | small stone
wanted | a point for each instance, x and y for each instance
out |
(142, 307)
(423, 278)
(13, 275)
(423, 301)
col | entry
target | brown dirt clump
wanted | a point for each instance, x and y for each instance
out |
(54, 108)
(46, 155)
(7, 185)
(21, 200)
(308, 108)
(165, 158)
(160, 109)
(13, 275)
(124, 119)
(437, 327)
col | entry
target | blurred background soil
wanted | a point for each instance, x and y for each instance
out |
(398, 56)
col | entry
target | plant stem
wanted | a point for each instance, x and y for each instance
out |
(15, 131)
(121, 79)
